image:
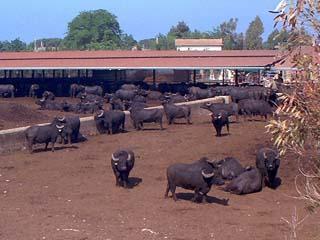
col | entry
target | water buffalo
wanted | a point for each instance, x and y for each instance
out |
(75, 89)
(232, 108)
(199, 93)
(117, 104)
(197, 176)
(111, 121)
(230, 168)
(49, 105)
(139, 116)
(175, 98)
(268, 162)
(7, 89)
(172, 112)
(219, 120)
(96, 90)
(129, 87)
(252, 107)
(34, 90)
(127, 95)
(122, 162)
(43, 134)
(154, 95)
(47, 95)
(71, 127)
(247, 182)
(88, 107)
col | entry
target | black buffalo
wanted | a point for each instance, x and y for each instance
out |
(7, 89)
(219, 120)
(173, 111)
(111, 121)
(71, 127)
(249, 181)
(268, 163)
(197, 176)
(43, 134)
(140, 115)
(47, 95)
(122, 162)
(230, 168)
(34, 90)
(231, 108)
(49, 105)
(127, 95)
(252, 107)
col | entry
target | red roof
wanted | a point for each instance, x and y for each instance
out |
(136, 59)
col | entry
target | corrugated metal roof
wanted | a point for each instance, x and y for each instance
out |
(136, 59)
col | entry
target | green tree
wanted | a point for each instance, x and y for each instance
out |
(227, 31)
(181, 30)
(253, 39)
(98, 29)
(276, 39)
(127, 42)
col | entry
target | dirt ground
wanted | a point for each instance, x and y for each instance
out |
(71, 194)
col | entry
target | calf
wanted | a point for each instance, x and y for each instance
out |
(197, 176)
(219, 120)
(248, 182)
(172, 112)
(268, 162)
(122, 162)
(43, 134)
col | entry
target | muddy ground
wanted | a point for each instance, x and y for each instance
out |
(71, 194)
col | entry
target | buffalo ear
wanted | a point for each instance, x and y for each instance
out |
(277, 162)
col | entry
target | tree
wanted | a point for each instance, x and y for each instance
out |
(276, 39)
(227, 31)
(181, 30)
(128, 42)
(297, 129)
(253, 39)
(98, 29)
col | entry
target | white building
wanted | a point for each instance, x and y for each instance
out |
(199, 44)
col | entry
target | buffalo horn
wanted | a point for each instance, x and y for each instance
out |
(61, 119)
(59, 127)
(114, 159)
(101, 113)
(209, 175)
(129, 157)
(265, 155)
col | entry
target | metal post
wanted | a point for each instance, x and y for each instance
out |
(43, 74)
(116, 75)
(21, 73)
(194, 76)
(87, 73)
(10, 73)
(53, 73)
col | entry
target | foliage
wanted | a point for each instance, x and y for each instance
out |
(98, 29)
(297, 129)
(253, 39)
(277, 39)
(15, 45)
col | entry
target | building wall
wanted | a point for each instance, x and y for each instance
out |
(199, 48)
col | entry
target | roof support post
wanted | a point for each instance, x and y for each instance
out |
(53, 73)
(32, 73)
(21, 74)
(223, 76)
(236, 80)
(10, 73)
(116, 75)
(5, 73)
(43, 74)
(194, 76)
(154, 77)
(87, 73)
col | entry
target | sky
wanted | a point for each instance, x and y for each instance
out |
(34, 19)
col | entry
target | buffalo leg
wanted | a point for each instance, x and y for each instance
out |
(173, 191)
(167, 191)
(52, 146)
(228, 127)
(196, 195)
(160, 122)
(46, 147)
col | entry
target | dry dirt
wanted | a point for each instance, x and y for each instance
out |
(71, 194)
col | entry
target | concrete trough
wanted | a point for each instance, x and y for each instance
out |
(14, 139)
